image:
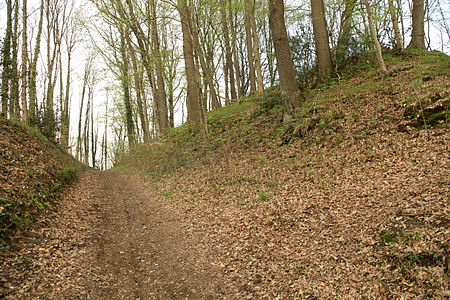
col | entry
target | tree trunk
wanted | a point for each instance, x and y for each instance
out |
(397, 35)
(288, 85)
(418, 28)
(125, 81)
(14, 108)
(256, 47)
(33, 70)
(24, 61)
(324, 64)
(139, 87)
(235, 54)
(193, 97)
(6, 61)
(161, 99)
(228, 54)
(345, 32)
(250, 51)
(375, 41)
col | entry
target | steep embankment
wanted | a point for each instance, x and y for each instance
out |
(33, 171)
(357, 207)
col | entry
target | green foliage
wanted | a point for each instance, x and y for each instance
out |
(263, 196)
(268, 101)
(68, 174)
(395, 237)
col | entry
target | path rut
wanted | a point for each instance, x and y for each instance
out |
(122, 245)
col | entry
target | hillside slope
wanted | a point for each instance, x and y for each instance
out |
(33, 171)
(357, 207)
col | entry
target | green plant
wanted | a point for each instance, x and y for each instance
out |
(263, 196)
(68, 174)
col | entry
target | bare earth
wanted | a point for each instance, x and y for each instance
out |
(109, 240)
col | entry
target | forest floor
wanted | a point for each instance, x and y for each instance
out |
(110, 240)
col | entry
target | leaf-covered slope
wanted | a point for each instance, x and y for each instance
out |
(356, 207)
(32, 172)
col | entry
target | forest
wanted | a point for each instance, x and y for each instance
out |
(224, 149)
(100, 76)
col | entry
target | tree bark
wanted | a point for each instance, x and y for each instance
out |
(323, 54)
(256, 47)
(418, 27)
(125, 81)
(397, 35)
(288, 84)
(228, 54)
(161, 99)
(375, 41)
(24, 61)
(250, 51)
(6, 61)
(14, 109)
(193, 97)
(33, 70)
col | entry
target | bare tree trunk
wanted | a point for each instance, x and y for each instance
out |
(418, 27)
(397, 35)
(207, 70)
(323, 54)
(24, 61)
(228, 54)
(193, 98)
(256, 47)
(235, 55)
(250, 52)
(33, 70)
(288, 85)
(373, 34)
(125, 78)
(86, 76)
(6, 61)
(139, 87)
(161, 99)
(14, 109)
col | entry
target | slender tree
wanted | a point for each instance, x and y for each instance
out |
(6, 61)
(374, 36)
(24, 69)
(288, 85)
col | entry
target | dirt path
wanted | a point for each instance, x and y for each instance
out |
(110, 241)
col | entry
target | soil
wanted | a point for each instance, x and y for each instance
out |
(110, 240)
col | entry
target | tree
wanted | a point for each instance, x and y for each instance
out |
(323, 54)
(345, 29)
(24, 69)
(6, 61)
(193, 98)
(397, 35)
(375, 41)
(32, 91)
(288, 85)
(418, 29)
